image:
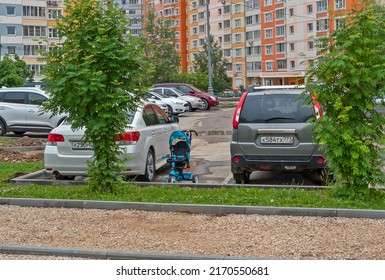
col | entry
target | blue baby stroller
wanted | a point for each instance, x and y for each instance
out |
(179, 158)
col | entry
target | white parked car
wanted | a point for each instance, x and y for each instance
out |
(175, 106)
(144, 144)
(194, 103)
(21, 111)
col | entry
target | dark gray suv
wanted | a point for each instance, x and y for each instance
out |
(271, 133)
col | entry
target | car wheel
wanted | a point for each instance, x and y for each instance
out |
(149, 174)
(2, 128)
(172, 179)
(241, 178)
(19, 133)
(170, 111)
(195, 178)
(205, 105)
(189, 107)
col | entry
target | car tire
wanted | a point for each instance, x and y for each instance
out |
(241, 178)
(195, 179)
(205, 105)
(19, 133)
(2, 129)
(149, 174)
(170, 111)
(189, 107)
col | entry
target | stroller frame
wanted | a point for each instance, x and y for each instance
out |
(179, 157)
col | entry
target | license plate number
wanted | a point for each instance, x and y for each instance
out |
(277, 140)
(81, 146)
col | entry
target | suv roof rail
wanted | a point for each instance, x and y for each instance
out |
(256, 88)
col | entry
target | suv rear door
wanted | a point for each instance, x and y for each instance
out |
(13, 108)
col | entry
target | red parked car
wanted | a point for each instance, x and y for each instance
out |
(209, 100)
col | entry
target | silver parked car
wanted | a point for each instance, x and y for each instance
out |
(21, 111)
(270, 132)
(194, 103)
(175, 106)
(144, 144)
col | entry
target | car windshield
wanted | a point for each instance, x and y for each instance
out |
(178, 92)
(195, 89)
(276, 108)
(159, 95)
(130, 119)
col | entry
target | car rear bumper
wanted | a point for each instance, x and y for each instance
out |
(295, 163)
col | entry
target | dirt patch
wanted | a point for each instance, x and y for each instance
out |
(23, 156)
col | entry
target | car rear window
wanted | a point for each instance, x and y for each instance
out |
(276, 108)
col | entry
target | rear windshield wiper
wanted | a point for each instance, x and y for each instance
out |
(278, 118)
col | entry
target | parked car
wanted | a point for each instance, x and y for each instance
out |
(271, 133)
(208, 99)
(21, 111)
(194, 103)
(175, 106)
(144, 143)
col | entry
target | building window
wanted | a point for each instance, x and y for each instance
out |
(53, 32)
(268, 33)
(282, 64)
(227, 9)
(194, 18)
(219, 25)
(339, 23)
(227, 38)
(11, 11)
(34, 50)
(291, 29)
(268, 2)
(339, 4)
(227, 23)
(280, 30)
(195, 44)
(238, 22)
(238, 67)
(238, 37)
(31, 11)
(322, 6)
(194, 31)
(238, 52)
(269, 65)
(202, 28)
(36, 68)
(269, 49)
(201, 15)
(280, 14)
(310, 45)
(310, 27)
(237, 8)
(309, 9)
(229, 67)
(219, 12)
(201, 42)
(227, 53)
(268, 17)
(291, 12)
(322, 25)
(281, 47)
(291, 47)
(11, 30)
(54, 14)
(292, 64)
(254, 66)
(11, 49)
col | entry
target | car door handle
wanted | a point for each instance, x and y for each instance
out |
(31, 111)
(153, 133)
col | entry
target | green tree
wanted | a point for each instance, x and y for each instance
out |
(158, 42)
(346, 79)
(88, 75)
(13, 71)
(220, 81)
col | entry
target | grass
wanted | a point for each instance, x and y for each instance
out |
(4, 141)
(174, 194)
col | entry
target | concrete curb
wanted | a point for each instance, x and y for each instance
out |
(105, 254)
(196, 208)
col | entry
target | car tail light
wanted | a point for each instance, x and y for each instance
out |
(128, 138)
(53, 138)
(236, 159)
(238, 109)
(320, 160)
(317, 107)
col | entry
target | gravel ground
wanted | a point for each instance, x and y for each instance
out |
(276, 237)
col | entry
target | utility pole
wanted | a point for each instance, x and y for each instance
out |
(210, 89)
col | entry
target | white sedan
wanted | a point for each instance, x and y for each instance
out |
(175, 106)
(193, 102)
(143, 145)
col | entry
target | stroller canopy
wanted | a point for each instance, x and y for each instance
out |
(179, 135)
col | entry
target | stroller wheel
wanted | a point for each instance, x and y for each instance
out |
(195, 178)
(172, 179)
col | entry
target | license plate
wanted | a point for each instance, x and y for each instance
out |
(277, 139)
(79, 145)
